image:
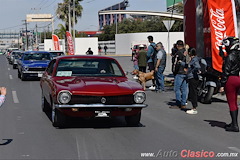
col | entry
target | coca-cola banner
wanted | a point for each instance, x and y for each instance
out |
(56, 43)
(222, 15)
(70, 43)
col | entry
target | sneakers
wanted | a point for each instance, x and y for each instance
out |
(192, 111)
(135, 77)
(152, 88)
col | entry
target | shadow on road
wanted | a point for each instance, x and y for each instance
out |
(6, 142)
(96, 123)
(214, 123)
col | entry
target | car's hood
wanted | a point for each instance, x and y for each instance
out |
(98, 85)
(36, 63)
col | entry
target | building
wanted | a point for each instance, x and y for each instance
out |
(113, 18)
(9, 39)
(171, 6)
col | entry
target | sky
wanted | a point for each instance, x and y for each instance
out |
(13, 12)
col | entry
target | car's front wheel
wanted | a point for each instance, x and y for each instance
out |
(45, 105)
(23, 77)
(19, 75)
(133, 120)
(58, 119)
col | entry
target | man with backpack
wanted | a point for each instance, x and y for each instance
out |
(180, 80)
(151, 53)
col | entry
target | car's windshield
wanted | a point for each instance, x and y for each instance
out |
(37, 56)
(88, 67)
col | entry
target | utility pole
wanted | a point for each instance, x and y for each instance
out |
(74, 17)
(26, 34)
(36, 36)
(69, 17)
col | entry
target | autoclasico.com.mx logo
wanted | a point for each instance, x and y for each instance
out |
(188, 154)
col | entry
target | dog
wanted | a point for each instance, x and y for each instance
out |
(144, 77)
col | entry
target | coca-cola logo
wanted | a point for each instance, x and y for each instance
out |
(218, 23)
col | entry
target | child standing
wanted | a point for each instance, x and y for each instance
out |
(135, 64)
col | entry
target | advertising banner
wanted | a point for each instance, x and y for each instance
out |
(223, 23)
(56, 43)
(70, 43)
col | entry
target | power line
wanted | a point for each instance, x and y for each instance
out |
(10, 27)
(48, 5)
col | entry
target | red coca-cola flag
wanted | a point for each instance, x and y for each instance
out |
(70, 43)
(56, 43)
(223, 23)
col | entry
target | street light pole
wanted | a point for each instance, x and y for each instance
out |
(26, 35)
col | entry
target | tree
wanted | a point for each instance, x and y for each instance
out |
(63, 12)
(61, 31)
(152, 24)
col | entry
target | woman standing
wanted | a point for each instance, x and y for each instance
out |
(193, 71)
(230, 79)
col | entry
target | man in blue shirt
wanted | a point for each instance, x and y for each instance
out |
(150, 60)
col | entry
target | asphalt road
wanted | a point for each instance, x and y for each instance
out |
(27, 132)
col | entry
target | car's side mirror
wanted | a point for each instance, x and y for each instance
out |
(126, 73)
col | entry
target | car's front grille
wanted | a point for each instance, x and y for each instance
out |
(36, 69)
(109, 100)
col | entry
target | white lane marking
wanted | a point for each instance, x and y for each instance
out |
(9, 69)
(78, 150)
(10, 76)
(235, 149)
(15, 98)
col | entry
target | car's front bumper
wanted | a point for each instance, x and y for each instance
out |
(33, 73)
(100, 106)
(100, 110)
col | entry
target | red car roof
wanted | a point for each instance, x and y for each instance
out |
(84, 56)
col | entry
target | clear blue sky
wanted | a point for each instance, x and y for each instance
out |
(12, 12)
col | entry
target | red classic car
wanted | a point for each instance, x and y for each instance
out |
(90, 86)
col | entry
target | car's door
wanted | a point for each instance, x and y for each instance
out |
(46, 81)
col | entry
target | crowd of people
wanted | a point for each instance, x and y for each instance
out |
(186, 69)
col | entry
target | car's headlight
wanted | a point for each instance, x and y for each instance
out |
(25, 68)
(64, 97)
(139, 97)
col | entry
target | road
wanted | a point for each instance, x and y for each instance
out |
(164, 133)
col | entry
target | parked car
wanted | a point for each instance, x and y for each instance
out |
(9, 50)
(14, 56)
(33, 64)
(56, 53)
(90, 86)
(135, 49)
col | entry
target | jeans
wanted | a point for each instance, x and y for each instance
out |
(181, 89)
(160, 79)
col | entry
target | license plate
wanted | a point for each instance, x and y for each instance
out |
(40, 74)
(102, 113)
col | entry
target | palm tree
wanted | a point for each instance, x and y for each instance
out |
(61, 31)
(63, 12)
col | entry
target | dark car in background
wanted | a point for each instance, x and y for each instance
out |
(33, 64)
(56, 53)
(92, 87)
(16, 56)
